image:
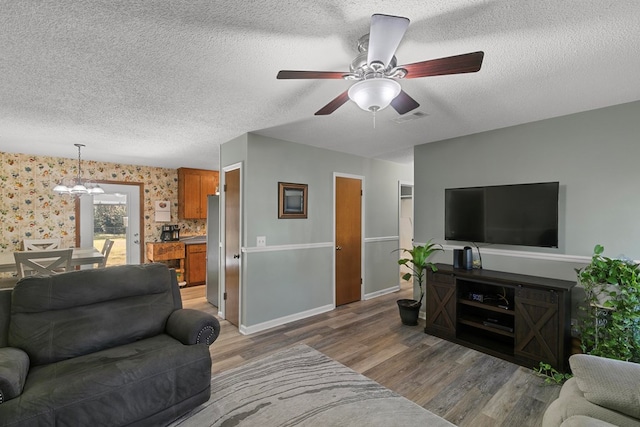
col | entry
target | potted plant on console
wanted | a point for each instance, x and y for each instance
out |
(417, 260)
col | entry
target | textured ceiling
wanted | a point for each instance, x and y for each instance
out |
(165, 82)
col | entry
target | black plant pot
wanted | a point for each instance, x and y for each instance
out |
(409, 309)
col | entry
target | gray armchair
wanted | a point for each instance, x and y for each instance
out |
(109, 346)
(602, 392)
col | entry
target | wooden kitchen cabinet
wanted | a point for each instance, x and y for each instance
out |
(171, 253)
(196, 264)
(194, 185)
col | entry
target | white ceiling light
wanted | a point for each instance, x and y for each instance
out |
(77, 187)
(374, 94)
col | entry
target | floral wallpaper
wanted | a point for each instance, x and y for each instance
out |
(30, 209)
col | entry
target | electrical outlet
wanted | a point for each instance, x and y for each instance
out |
(261, 241)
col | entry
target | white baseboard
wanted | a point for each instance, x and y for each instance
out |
(382, 292)
(247, 330)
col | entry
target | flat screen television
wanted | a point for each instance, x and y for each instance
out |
(518, 214)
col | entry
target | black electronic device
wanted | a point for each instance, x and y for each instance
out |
(467, 258)
(519, 214)
(170, 233)
(457, 258)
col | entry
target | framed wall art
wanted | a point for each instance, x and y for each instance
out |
(292, 200)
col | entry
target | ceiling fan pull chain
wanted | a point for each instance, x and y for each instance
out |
(374, 119)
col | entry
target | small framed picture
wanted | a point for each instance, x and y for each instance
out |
(292, 200)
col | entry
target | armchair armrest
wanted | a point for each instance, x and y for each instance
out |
(193, 327)
(14, 366)
(609, 383)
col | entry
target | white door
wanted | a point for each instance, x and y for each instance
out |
(121, 222)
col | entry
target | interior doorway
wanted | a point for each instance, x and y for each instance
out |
(232, 215)
(405, 227)
(348, 239)
(116, 215)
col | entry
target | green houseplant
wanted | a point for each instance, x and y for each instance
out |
(417, 260)
(610, 322)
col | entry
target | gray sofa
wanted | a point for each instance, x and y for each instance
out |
(603, 392)
(110, 346)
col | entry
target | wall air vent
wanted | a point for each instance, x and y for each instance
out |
(413, 116)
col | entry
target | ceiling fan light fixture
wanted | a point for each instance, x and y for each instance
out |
(374, 94)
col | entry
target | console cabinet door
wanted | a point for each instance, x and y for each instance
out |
(440, 304)
(537, 326)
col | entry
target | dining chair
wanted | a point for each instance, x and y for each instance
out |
(8, 282)
(106, 250)
(46, 263)
(41, 244)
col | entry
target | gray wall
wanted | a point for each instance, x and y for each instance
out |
(293, 275)
(594, 155)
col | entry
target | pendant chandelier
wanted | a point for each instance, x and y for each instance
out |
(76, 187)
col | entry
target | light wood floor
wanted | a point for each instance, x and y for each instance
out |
(466, 387)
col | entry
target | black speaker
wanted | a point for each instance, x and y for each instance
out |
(467, 258)
(457, 258)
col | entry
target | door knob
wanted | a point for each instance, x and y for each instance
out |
(236, 256)
(338, 248)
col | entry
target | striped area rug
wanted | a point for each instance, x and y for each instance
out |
(302, 387)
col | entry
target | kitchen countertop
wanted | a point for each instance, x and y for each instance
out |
(194, 240)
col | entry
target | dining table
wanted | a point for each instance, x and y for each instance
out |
(80, 256)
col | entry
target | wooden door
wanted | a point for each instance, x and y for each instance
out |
(196, 264)
(191, 201)
(232, 246)
(348, 250)
(208, 184)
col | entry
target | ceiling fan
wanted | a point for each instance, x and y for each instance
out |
(376, 72)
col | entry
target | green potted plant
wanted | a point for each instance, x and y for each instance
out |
(417, 260)
(610, 322)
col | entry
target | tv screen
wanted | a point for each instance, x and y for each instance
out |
(519, 214)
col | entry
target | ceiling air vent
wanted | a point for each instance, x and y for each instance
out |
(408, 117)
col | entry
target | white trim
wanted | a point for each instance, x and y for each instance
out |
(232, 167)
(247, 330)
(292, 247)
(381, 239)
(382, 292)
(348, 175)
(528, 254)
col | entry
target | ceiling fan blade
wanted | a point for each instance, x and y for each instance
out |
(466, 63)
(385, 34)
(334, 104)
(403, 103)
(291, 74)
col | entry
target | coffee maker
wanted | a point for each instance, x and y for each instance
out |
(170, 233)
